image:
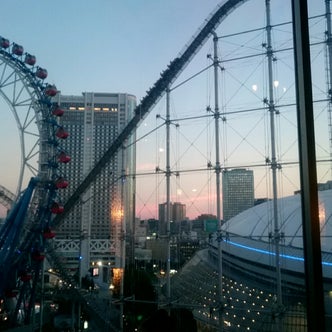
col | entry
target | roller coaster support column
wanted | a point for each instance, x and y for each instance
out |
(308, 175)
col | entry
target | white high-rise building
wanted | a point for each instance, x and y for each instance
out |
(94, 231)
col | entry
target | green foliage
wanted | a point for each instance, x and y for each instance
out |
(141, 309)
(140, 298)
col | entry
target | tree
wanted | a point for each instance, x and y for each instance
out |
(140, 298)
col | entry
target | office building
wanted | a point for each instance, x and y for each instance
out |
(94, 230)
(177, 214)
(237, 191)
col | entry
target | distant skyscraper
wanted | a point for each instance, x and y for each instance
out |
(93, 230)
(237, 191)
(177, 214)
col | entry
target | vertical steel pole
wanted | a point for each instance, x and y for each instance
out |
(274, 166)
(309, 195)
(168, 197)
(218, 171)
(123, 233)
(329, 70)
(42, 302)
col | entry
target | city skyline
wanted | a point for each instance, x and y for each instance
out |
(136, 75)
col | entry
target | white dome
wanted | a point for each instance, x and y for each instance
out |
(258, 222)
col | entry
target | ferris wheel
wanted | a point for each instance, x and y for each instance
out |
(28, 225)
(23, 89)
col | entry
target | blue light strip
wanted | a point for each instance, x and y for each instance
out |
(266, 252)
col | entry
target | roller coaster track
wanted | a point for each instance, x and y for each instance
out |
(167, 77)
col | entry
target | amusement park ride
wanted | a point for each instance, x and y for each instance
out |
(36, 213)
(29, 226)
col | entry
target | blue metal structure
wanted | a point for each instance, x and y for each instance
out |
(10, 233)
(14, 262)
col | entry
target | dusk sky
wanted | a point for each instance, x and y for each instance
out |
(123, 45)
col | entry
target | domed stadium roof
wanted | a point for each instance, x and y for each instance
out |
(258, 222)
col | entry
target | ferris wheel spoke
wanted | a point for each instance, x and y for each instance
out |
(32, 169)
(19, 91)
(25, 102)
(4, 75)
(28, 122)
(9, 83)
